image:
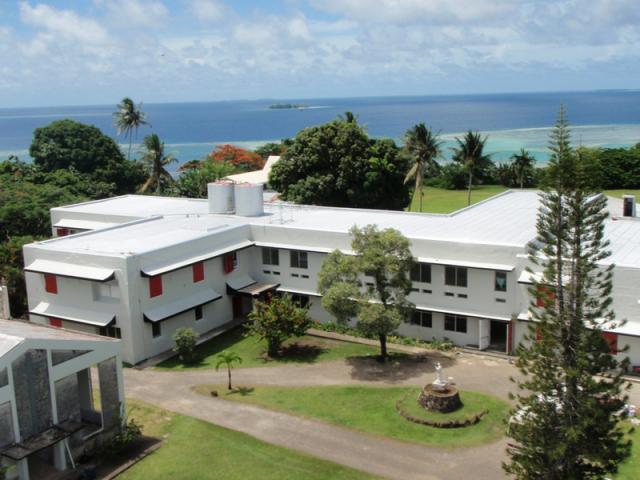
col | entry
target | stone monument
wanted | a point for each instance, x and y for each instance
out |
(440, 395)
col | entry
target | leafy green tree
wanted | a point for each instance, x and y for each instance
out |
(227, 358)
(128, 118)
(522, 164)
(470, 154)
(423, 146)
(277, 320)
(193, 181)
(65, 144)
(273, 148)
(385, 257)
(566, 424)
(155, 160)
(337, 164)
(186, 340)
(12, 272)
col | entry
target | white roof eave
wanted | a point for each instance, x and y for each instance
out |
(62, 269)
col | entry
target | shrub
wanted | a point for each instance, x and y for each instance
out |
(129, 432)
(186, 339)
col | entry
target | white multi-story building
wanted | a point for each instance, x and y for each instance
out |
(143, 266)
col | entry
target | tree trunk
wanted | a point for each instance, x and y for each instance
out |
(421, 196)
(229, 373)
(469, 190)
(383, 346)
(272, 348)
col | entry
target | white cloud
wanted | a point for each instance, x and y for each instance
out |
(206, 10)
(135, 13)
(64, 23)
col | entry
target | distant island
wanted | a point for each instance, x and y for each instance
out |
(281, 106)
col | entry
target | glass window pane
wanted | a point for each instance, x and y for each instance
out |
(450, 275)
(450, 323)
(461, 324)
(501, 282)
(461, 277)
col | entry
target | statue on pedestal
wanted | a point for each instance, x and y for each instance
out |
(439, 384)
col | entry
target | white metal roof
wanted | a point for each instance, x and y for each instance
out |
(73, 314)
(171, 309)
(82, 224)
(63, 269)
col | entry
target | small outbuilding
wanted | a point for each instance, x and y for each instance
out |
(50, 409)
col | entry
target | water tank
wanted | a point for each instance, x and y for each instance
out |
(220, 196)
(249, 199)
(628, 206)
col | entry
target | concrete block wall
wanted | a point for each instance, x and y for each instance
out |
(108, 373)
(67, 398)
(33, 397)
(7, 435)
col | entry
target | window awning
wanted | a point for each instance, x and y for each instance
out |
(168, 310)
(153, 270)
(245, 285)
(298, 292)
(530, 277)
(500, 267)
(89, 317)
(82, 224)
(70, 270)
(463, 313)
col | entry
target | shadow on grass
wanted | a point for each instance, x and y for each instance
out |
(242, 391)
(397, 368)
(298, 352)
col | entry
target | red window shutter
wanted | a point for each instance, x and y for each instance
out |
(612, 340)
(155, 286)
(50, 283)
(55, 322)
(62, 232)
(544, 295)
(538, 334)
(198, 272)
(228, 263)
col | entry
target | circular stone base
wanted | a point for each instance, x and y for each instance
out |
(440, 401)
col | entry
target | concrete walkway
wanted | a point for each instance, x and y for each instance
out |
(376, 455)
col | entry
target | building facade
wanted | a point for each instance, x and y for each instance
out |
(141, 267)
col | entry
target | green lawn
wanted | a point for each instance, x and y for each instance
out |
(372, 410)
(194, 449)
(619, 193)
(630, 470)
(306, 349)
(440, 200)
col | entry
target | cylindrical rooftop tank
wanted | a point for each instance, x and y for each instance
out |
(220, 197)
(249, 199)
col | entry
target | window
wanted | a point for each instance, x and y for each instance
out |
(270, 256)
(422, 319)
(298, 259)
(230, 262)
(198, 312)
(111, 331)
(501, 282)
(156, 330)
(50, 283)
(421, 272)
(55, 322)
(295, 275)
(155, 286)
(301, 300)
(305, 276)
(455, 323)
(455, 276)
(198, 272)
(462, 295)
(106, 291)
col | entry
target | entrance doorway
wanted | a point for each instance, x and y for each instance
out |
(498, 336)
(242, 305)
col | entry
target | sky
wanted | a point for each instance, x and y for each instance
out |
(65, 52)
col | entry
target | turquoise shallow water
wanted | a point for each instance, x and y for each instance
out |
(512, 121)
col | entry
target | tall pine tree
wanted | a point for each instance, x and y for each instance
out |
(566, 424)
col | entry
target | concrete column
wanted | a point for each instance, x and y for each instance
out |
(59, 456)
(23, 469)
(484, 327)
(85, 389)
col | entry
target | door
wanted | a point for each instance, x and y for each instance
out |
(236, 301)
(498, 337)
(483, 333)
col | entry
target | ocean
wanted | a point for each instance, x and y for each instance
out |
(511, 121)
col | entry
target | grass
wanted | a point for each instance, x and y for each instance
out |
(619, 193)
(630, 469)
(440, 200)
(194, 449)
(372, 410)
(474, 404)
(306, 349)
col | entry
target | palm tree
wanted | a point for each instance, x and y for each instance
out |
(228, 359)
(128, 118)
(469, 153)
(522, 163)
(424, 147)
(155, 160)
